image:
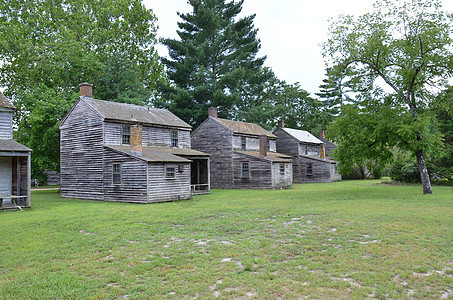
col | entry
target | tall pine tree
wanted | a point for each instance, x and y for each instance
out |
(214, 62)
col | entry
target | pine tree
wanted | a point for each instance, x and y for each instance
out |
(214, 62)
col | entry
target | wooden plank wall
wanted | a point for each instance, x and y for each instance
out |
(81, 151)
(133, 187)
(213, 138)
(312, 149)
(161, 189)
(252, 143)
(6, 125)
(321, 171)
(5, 175)
(260, 173)
(152, 135)
(288, 145)
(279, 180)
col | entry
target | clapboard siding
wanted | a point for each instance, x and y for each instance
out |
(6, 125)
(161, 189)
(6, 175)
(151, 136)
(260, 172)
(213, 138)
(321, 171)
(133, 187)
(81, 141)
(252, 143)
(308, 149)
(280, 180)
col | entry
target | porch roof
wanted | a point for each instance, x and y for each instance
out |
(12, 145)
(152, 154)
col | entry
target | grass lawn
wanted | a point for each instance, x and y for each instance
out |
(340, 240)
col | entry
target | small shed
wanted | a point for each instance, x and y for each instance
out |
(15, 162)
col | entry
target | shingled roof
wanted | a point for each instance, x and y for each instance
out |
(272, 156)
(135, 113)
(244, 127)
(4, 102)
(12, 145)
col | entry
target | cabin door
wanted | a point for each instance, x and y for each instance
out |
(6, 175)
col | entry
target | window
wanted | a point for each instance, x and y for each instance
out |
(116, 173)
(282, 168)
(268, 145)
(306, 149)
(245, 169)
(174, 138)
(309, 169)
(243, 143)
(126, 137)
(169, 172)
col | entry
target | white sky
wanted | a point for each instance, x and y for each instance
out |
(290, 32)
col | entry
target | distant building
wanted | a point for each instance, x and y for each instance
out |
(310, 163)
(128, 153)
(15, 162)
(243, 155)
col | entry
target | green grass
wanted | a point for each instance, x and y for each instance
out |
(350, 239)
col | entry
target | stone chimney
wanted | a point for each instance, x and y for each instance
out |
(322, 151)
(136, 140)
(322, 134)
(212, 112)
(263, 145)
(86, 90)
(281, 124)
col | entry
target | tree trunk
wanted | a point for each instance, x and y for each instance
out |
(426, 183)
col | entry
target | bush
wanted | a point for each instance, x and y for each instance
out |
(405, 169)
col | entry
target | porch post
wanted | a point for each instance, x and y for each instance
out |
(209, 174)
(29, 179)
(18, 175)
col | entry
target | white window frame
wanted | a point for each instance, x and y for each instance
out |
(169, 172)
(120, 174)
(243, 163)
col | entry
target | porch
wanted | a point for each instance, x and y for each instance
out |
(199, 176)
(15, 179)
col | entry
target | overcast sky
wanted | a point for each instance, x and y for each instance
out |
(290, 32)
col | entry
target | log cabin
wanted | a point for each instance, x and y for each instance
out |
(243, 155)
(128, 153)
(310, 163)
(15, 162)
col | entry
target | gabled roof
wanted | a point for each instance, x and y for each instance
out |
(244, 127)
(272, 156)
(158, 154)
(12, 145)
(5, 103)
(135, 113)
(302, 135)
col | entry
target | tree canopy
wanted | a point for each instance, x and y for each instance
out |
(49, 47)
(394, 60)
(214, 62)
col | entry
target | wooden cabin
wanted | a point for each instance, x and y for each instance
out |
(15, 162)
(128, 153)
(310, 163)
(243, 155)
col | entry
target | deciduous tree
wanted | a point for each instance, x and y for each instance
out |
(399, 55)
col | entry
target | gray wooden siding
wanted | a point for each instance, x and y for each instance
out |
(5, 175)
(260, 172)
(213, 138)
(334, 175)
(133, 187)
(152, 136)
(81, 152)
(288, 145)
(272, 146)
(312, 149)
(282, 180)
(252, 143)
(321, 171)
(161, 189)
(6, 125)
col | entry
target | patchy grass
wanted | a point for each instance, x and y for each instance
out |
(341, 240)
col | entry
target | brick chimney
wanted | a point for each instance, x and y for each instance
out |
(281, 124)
(86, 90)
(322, 151)
(212, 112)
(322, 134)
(136, 140)
(263, 145)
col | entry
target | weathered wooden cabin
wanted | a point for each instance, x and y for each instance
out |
(128, 153)
(15, 163)
(243, 155)
(310, 163)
